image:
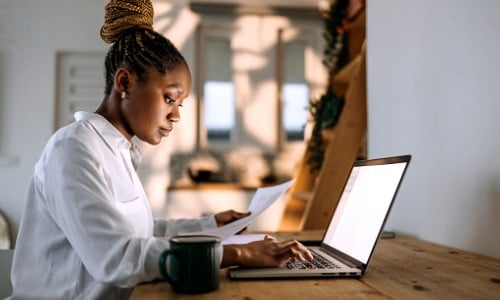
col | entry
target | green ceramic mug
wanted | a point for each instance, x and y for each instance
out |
(192, 263)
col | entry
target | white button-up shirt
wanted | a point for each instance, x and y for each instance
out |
(87, 230)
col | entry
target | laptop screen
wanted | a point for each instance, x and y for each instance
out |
(363, 207)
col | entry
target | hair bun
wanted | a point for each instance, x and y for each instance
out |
(121, 15)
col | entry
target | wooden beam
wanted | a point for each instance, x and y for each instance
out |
(341, 152)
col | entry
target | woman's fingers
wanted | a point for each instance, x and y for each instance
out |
(293, 248)
(229, 216)
(269, 252)
(268, 237)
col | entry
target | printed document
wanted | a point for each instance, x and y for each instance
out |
(263, 198)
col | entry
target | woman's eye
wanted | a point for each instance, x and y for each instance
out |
(169, 101)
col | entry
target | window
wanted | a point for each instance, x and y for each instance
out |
(219, 110)
(301, 77)
(218, 90)
(295, 96)
(79, 84)
(295, 91)
(255, 75)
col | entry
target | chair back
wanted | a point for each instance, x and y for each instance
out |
(5, 267)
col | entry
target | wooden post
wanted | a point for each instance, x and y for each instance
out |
(298, 195)
(340, 153)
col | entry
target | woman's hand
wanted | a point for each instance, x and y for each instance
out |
(264, 253)
(228, 216)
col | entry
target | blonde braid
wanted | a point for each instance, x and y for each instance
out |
(121, 15)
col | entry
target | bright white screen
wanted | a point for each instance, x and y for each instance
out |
(362, 209)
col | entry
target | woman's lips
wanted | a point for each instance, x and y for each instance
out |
(165, 131)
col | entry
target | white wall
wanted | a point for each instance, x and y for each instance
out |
(433, 86)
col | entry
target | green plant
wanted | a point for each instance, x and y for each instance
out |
(326, 110)
(335, 55)
(325, 113)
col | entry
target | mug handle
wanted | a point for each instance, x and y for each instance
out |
(163, 263)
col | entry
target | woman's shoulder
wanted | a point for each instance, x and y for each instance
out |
(75, 140)
(80, 132)
(87, 138)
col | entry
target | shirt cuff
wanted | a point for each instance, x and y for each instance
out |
(208, 222)
(152, 267)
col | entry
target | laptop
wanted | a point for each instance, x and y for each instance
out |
(354, 229)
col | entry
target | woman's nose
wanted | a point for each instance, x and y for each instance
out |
(174, 115)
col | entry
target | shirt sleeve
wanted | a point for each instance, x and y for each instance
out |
(166, 228)
(80, 202)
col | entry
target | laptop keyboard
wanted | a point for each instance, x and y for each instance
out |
(318, 262)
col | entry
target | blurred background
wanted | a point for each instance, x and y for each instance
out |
(432, 84)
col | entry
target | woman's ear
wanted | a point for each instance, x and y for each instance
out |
(123, 80)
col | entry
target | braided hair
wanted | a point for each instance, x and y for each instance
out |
(128, 26)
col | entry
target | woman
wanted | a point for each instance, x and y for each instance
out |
(87, 231)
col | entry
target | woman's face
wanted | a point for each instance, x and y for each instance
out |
(152, 106)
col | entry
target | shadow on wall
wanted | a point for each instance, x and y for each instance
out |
(167, 18)
(153, 170)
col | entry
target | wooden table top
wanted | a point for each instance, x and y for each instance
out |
(401, 268)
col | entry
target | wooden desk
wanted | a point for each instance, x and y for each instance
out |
(402, 268)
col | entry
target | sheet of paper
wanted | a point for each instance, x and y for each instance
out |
(262, 199)
(244, 238)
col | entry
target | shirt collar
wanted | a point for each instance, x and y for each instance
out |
(113, 138)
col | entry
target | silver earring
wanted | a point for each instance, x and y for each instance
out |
(124, 95)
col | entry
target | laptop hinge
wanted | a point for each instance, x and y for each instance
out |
(343, 258)
(345, 261)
